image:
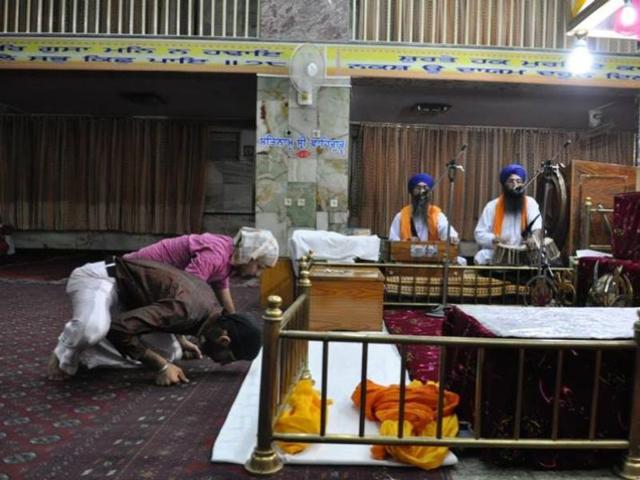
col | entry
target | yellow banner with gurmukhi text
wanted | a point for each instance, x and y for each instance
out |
(353, 60)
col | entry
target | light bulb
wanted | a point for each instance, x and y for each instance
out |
(628, 15)
(580, 59)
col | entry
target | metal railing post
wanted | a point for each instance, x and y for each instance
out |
(586, 223)
(630, 468)
(264, 459)
(304, 288)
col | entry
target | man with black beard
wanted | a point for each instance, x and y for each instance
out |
(421, 220)
(504, 219)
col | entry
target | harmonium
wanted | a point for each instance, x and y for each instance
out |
(421, 252)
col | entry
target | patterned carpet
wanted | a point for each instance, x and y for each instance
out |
(116, 424)
(44, 265)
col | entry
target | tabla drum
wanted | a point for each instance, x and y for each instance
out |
(510, 255)
(551, 251)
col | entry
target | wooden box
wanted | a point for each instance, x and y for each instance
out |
(346, 298)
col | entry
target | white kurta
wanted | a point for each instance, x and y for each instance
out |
(511, 228)
(422, 229)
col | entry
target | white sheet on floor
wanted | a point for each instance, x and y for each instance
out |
(602, 323)
(238, 435)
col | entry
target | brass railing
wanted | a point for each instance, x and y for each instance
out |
(284, 361)
(586, 225)
(179, 18)
(421, 284)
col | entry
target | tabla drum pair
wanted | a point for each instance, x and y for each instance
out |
(551, 251)
(510, 254)
(522, 255)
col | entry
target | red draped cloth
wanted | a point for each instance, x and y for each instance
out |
(422, 360)
(625, 238)
(499, 396)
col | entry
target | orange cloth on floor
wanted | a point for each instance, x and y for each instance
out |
(421, 403)
(302, 415)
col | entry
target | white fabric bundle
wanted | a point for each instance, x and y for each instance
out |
(333, 246)
(255, 244)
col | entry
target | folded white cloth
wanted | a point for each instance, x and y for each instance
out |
(333, 246)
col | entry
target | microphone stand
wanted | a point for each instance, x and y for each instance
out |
(452, 168)
(548, 168)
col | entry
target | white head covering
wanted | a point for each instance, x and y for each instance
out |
(255, 244)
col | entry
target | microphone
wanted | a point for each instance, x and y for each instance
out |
(462, 149)
(555, 157)
(564, 146)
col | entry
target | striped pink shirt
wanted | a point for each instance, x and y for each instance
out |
(207, 256)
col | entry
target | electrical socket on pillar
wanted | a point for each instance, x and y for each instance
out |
(316, 133)
(333, 203)
(301, 202)
(287, 202)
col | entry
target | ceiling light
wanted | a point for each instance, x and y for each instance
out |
(143, 98)
(628, 14)
(580, 59)
(431, 108)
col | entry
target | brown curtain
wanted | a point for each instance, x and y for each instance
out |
(125, 175)
(385, 156)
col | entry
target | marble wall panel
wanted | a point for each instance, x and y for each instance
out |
(305, 20)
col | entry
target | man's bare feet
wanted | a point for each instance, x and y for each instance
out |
(54, 372)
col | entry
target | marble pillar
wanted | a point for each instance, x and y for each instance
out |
(301, 159)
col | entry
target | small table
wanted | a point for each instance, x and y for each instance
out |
(346, 298)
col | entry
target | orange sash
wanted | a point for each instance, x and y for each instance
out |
(431, 220)
(420, 410)
(499, 218)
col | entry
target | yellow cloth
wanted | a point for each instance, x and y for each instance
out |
(421, 400)
(431, 221)
(425, 457)
(302, 415)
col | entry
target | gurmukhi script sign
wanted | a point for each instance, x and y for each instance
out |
(356, 60)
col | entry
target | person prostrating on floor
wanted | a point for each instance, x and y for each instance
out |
(161, 298)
